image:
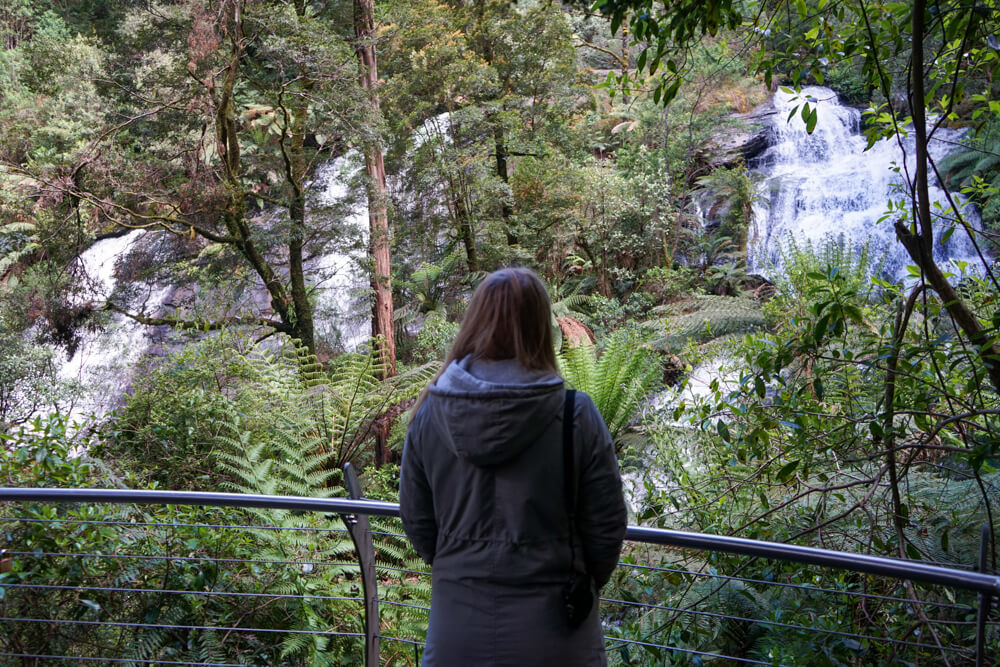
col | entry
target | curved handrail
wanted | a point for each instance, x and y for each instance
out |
(890, 567)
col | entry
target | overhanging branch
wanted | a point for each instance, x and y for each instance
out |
(198, 325)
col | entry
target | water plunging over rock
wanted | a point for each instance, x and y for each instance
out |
(102, 357)
(118, 268)
(342, 306)
(826, 184)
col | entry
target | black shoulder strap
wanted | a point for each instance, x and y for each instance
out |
(569, 477)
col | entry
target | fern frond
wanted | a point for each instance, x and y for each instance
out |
(619, 381)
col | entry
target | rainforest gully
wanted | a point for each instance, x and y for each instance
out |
(237, 238)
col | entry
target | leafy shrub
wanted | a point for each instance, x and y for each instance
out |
(166, 431)
(667, 284)
(435, 337)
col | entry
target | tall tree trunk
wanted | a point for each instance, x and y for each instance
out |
(465, 231)
(378, 219)
(293, 152)
(920, 244)
(228, 145)
(506, 210)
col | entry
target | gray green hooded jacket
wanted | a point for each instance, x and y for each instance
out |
(481, 495)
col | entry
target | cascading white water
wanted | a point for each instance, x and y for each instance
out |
(100, 367)
(342, 304)
(826, 184)
(102, 357)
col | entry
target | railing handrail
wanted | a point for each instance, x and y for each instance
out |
(890, 567)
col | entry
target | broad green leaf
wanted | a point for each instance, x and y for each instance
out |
(787, 470)
(723, 430)
(811, 121)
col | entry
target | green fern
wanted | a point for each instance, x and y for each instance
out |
(334, 413)
(705, 318)
(618, 380)
(17, 241)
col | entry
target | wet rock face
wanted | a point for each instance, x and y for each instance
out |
(744, 140)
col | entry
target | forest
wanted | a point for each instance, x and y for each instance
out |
(237, 238)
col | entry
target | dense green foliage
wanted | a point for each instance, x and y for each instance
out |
(824, 406)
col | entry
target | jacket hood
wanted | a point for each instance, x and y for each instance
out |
(491, 411)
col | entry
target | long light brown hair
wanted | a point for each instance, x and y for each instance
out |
(509, 317)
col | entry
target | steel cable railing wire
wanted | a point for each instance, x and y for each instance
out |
(394, 603)
(705, 654)
(208, 559)
(803, 587)
(177, 626)
(335, 508)
(167, 591)
(137, 524)
(130, 661)
(779, 624)
(199, 559)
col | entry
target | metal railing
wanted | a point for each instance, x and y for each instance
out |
(287, 567)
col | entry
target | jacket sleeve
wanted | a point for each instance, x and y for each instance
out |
(602, 517)
(416, 505)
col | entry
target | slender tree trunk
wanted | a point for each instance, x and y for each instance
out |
(920, 245)
(378, 218)
(506, 210)
(465, 231)
(295, 166)
(296, 233)
(234, 216)
(888, 419)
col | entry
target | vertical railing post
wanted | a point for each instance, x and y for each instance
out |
(360, 529)
(985, 599)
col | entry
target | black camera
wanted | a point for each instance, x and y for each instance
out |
(579, 598)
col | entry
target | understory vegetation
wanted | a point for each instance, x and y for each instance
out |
(825, 403)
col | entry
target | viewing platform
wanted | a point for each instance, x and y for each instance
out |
(99, 576)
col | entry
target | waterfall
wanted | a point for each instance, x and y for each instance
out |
(100, 367)
(825, 184)
(100, 363)
(343, 311)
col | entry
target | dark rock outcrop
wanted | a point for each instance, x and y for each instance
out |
(743, 139)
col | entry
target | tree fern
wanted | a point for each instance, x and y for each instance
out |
(331, 416)
(705, 318)
(979, 158)
(618, 380)
(959, 167)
